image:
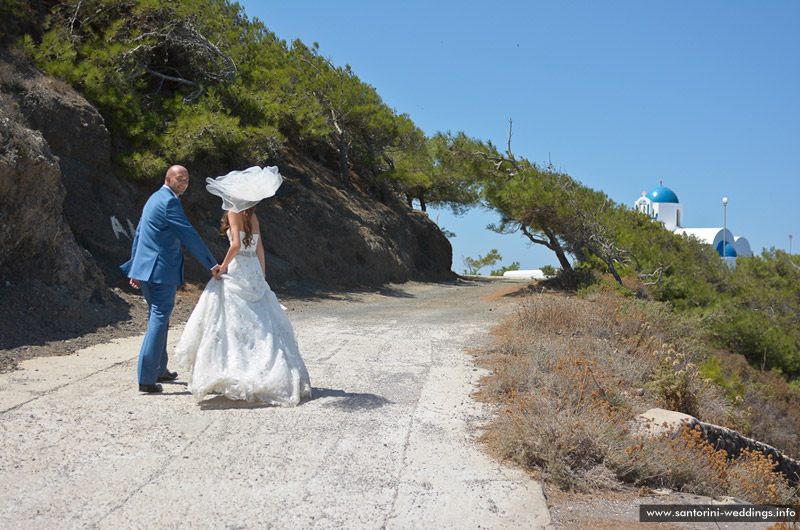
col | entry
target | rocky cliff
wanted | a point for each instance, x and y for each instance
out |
(67, 214)
(36, 242)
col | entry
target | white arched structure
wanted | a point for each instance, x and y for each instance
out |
(712, 236)
(662, 204)
(742, 246)
(716, 237)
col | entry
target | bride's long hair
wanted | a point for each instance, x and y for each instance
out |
(248, 229)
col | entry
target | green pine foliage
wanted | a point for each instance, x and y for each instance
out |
(760, 317)
(197, 81)
(474, 265)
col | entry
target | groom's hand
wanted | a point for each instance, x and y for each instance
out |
(215, 272)
(135, 284)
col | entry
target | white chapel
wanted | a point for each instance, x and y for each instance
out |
(661, 204)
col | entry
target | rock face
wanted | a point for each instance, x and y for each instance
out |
(660, 422)
(67, 217)
(36, 242)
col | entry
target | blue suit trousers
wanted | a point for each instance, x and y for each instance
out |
(153, 355)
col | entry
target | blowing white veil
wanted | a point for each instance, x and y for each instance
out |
(240, 190)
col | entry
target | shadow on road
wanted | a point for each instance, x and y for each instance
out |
(221, 402)
(352, 294)
(349, 400)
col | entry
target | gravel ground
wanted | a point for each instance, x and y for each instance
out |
(388, 440)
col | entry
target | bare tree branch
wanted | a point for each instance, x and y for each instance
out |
(74, 17)
(171, 78)
(659, 271)
(510, 154)
(181, 48)
(535, 239)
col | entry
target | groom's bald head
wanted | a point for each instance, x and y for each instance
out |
(177, 179)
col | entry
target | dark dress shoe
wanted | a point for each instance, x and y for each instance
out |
(167, 376)
(150, 389)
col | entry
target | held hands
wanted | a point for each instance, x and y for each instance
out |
(216, 272)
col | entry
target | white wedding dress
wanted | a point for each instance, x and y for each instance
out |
(239, 342)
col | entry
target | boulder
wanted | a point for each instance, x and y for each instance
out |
(659, 422)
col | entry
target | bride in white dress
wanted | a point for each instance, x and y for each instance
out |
(238, 341)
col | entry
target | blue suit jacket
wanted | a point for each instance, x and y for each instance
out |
(156, 254)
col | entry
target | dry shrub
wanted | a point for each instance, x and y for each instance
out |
(554, 425)
(560, 382)
(537, 434)
(557, 315)
(677, 345)
(568, 375)
(752, 476)
(769, 408)
(638, 288)
(773, 421)
(687, 462)
(783, 526)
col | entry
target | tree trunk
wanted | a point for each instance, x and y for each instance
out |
(614, 272)
(343, 160)
(556, 247)
(553, 244)
(609, 261)
(375, 169)
(580, 255)
(563, 260)
(422, 202)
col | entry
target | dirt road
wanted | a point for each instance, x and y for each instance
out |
(388, 440)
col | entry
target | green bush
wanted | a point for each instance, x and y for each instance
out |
(731, 384)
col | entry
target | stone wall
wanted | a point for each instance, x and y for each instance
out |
(660, 422)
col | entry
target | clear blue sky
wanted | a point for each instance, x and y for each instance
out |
(704, 96)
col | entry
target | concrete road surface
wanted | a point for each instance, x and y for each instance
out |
(388, 440)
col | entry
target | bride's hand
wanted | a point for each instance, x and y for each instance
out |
(223, 270)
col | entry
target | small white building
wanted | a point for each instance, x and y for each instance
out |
(662, 204)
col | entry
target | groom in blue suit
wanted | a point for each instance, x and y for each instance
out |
(156, 267)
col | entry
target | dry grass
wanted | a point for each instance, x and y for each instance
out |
(570, 373)
(688, 463)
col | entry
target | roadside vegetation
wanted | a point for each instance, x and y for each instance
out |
(571, 370)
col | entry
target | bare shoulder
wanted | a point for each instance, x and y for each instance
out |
(235, 220)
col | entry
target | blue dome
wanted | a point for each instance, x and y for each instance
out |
(662, 194)
(730, 252)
